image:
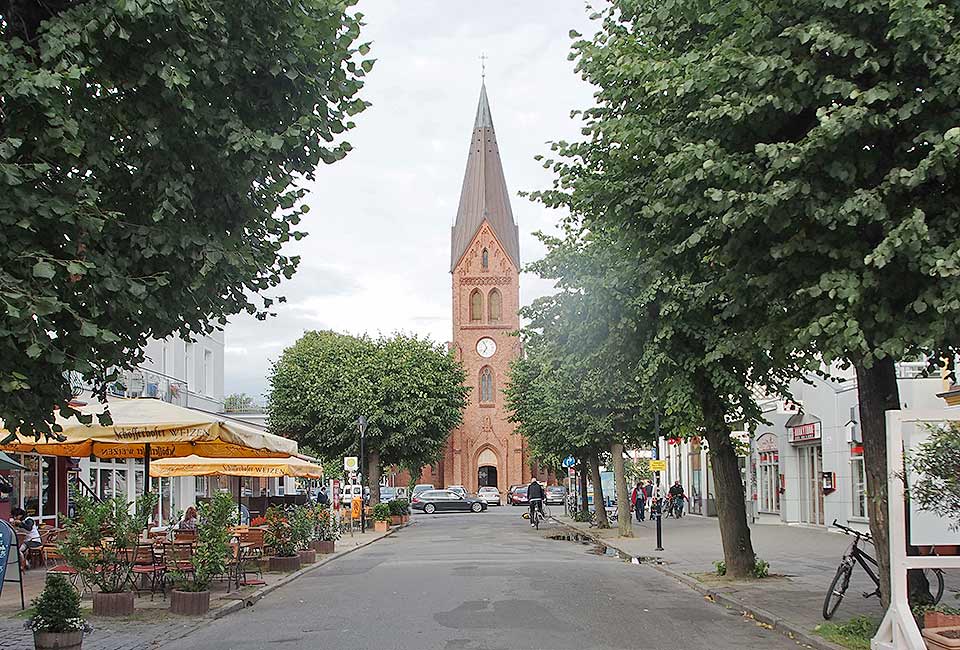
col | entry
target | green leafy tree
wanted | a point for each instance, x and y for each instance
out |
(152, 155)
(410, 389)
(238, 403)
(937, 463)
(807, 152)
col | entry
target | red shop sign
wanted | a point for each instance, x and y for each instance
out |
(805, 432)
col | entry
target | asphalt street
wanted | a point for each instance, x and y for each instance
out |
(482, 582)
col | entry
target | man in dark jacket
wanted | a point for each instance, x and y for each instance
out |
(535, 496)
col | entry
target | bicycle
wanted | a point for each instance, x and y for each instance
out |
(539, 514)
(612, 517)
(854, 555)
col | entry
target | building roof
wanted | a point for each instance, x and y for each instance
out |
(484, 196)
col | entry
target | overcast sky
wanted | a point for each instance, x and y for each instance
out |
(376, 258)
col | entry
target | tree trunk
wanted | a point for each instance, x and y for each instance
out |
(584, 468)
(624, 516)
(877, 392)
(738, 554)
(373, 476)
(598, 503)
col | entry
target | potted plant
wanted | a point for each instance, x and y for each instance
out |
(404, 507)
(280, 537)
(936, 463)
(327, 531)
(381, 517)
(101, 542)
(302, 520)
(396, 512)
(56, 621)
(191, 591)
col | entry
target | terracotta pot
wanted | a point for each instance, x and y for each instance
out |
(396, 520)
(189, 603)
(942, 638)
(381, 526)
(120, 604)
(284, 564)
(324, 547)
(58, 640)
(406, 518)
(939, 619)
(308, 556)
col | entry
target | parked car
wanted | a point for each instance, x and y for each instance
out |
(518, 497)
(459, 489)
(387, 493)
(420, 487)
(555, 495)
(489, 495)
(431, 501)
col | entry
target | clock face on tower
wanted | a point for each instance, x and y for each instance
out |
(486, 347)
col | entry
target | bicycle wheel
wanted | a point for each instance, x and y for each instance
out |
(837, 589)
(935, 580)
(536, 519)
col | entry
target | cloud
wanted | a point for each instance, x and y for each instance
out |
(376, 258)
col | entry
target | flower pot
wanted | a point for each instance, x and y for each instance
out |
(942, 638)
(381, 526)
(58, 640)
(283, 564)
(939, 619)
(323, 546)
(308, 556)
(406, 518)
(396, 520)
(189, 603)
(120, 604)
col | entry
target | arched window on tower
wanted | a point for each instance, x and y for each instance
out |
(476, 306)
(485, 259)
(495, 306)
(486, 384)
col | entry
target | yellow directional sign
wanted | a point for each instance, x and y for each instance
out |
(658, 466)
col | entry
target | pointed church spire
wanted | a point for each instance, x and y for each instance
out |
(484, 196)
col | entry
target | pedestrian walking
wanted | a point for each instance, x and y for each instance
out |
(639, 501)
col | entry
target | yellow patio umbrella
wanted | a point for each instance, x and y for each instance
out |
(151, 429)
(257, 467)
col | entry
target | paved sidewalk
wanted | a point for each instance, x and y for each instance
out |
(803, 561)
(152, 625)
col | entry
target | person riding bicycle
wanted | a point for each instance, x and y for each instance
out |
(535, 495)
(677, 496)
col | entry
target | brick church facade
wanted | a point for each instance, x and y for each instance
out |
(485, 270)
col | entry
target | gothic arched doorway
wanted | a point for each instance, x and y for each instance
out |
(487, 476)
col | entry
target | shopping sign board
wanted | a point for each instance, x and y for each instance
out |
(350, 463)
(7, 538)
(805, 432)
(658, 466)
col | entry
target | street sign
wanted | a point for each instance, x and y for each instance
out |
(655, 453)
(658, 466)
(569, 461)
(6, 539)
(356, 507)
(571, 472)
(350, 463)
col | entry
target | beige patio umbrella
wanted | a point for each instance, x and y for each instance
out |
(256, 467)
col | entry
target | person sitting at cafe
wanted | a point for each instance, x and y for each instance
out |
(189, 521)
(20, 521)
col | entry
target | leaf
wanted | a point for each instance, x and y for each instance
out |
(43, 269)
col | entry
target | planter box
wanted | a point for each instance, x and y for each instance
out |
(189, 603)
(406, 518)
(942, 638)
(113, 604)
(323, 547)
(939, 619)
(396, 520)
(283, 564)
(58, 640)
(381, 526)
(308, 557)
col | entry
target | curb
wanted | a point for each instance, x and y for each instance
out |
(778, 624)
(249, 601)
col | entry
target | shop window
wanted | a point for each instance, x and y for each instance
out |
(858, 483)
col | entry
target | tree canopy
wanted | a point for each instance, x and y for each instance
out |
(152, 156)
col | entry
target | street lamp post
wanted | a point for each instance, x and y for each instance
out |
(362, 428)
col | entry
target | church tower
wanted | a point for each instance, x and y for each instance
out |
(485, 267)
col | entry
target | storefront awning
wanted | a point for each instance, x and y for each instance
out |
(8, 463)
(257, 467)
(171, 431)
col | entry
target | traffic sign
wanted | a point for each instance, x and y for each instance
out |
(569, 461)
(351, 463)
(658, 466)
(571, 472)
(655, 453)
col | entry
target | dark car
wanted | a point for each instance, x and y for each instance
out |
(518, 496)
(555, 494)
(433, 501)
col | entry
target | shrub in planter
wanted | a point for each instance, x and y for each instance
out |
(381, 517)
(936, 616)
(56, 621)
(110, 565)
(937, 463)
(281, 538)
(302, 525)
(191, 592)
(327, 531)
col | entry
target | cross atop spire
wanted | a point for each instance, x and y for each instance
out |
(484, 197)
(483, 65)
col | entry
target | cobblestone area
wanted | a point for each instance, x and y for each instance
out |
(109, 635)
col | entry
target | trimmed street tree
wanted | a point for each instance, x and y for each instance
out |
(410, 389)
(808, 154)
(150, 154)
